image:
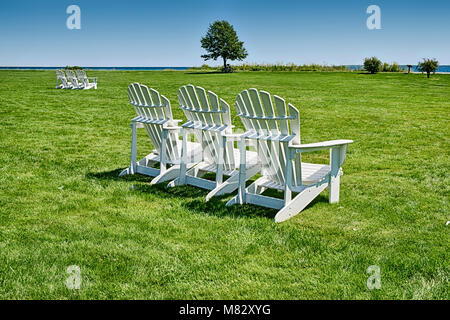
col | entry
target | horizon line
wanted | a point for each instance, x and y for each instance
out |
(195, 66)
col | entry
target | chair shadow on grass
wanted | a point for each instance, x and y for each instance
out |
(216, 207)
(114, 175)
(195, 197)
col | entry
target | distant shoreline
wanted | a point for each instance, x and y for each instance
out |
(99, 68)
(443, 69)
(437, 72)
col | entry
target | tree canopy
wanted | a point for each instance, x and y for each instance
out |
(372, 65)
(222, 41)
(428, 66)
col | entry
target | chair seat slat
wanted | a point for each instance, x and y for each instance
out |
(247, 116)
(150, 121)
(149, 106)
(202, 111)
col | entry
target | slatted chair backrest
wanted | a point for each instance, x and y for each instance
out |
(82, 77)
(154, 111)
(60, 73)
(210, 115)
(81, 74)
(274, 124)
(62, 78)
(72, 78)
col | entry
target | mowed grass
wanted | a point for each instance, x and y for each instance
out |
(62, 202)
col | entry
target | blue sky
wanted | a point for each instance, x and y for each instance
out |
(167, 33)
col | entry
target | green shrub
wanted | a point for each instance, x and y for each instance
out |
(205, 67)
(394, 67)
(277, 67)
(73, 68)
(290, 67)
(372, 65)
(390, 67)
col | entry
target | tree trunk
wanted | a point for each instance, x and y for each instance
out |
(225, 64)
(428, 74)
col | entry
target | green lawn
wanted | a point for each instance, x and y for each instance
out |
(62, 203)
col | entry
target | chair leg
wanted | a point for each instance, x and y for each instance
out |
(232, 183)
(167, 175)
(190, 168)
(125, 172)
(299, 203)
(132, 168)
(242, 173)
(288, 175)
(334, 188)
(182, 177)
(254, 188)
(220, 162)
(133, 147)
(226, 187)
(334, 175)
(233, 201)
(162, 152)
(174, 183)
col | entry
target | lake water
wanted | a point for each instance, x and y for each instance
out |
(443, 68)
(99, 68)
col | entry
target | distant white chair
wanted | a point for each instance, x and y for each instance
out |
(61, 80)
(154, 113)
(210, 121)
(276, 128)
(83, 78)
(73, 80)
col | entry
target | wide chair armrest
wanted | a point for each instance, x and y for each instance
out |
(319, 145)
(338, 150)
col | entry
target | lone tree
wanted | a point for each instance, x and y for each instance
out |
(428, 66)
(372, 65)
(222, 41)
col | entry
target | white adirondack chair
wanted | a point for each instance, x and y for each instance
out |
(154, 113)
(210, 121)
(276, 128)
(73, 80)
(61, 80)
(83, 78)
